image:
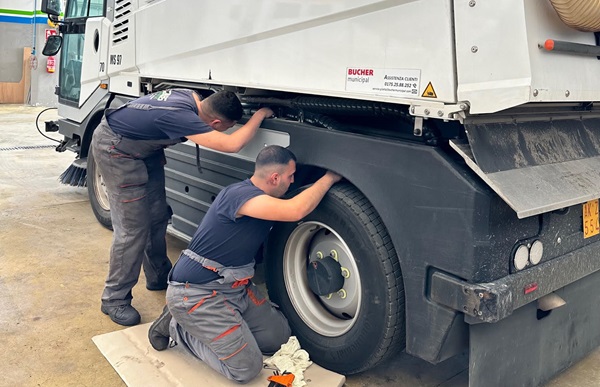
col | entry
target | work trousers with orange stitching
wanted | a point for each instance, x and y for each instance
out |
(136, 190)
(227, 328)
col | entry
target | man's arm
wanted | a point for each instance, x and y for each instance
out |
(289, 210)
(232, 143)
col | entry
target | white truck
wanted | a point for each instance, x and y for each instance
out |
(467, 133)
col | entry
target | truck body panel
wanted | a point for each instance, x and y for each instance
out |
(330, 37)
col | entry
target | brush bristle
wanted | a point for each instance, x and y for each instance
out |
(74, 176)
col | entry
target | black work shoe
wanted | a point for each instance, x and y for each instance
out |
(158, 334)
(122, 314)
(156, 285)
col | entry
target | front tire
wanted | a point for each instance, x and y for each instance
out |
(97, 192)
(361, 324)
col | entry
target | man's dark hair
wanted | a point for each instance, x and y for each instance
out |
(225, 105)
(274, 155)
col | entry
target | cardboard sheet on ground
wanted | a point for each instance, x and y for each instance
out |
(138, 364)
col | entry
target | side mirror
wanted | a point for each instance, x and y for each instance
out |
(51, 7)
(53, 45)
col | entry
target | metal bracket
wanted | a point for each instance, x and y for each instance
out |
(418, 129)
(479, 302)
(456, 112)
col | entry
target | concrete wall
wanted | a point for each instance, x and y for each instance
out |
(18, 29)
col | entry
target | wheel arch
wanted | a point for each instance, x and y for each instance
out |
(110, 101)
(428, 203)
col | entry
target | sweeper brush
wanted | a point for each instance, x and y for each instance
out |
(76, 174)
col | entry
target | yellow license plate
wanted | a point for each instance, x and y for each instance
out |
(590, 219)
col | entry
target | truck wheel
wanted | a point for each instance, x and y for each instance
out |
(359, 325)
(97, 193)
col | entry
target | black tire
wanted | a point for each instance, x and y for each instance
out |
(97, 193)
(351, 334)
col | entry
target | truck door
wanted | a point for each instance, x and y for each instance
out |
(83, 58)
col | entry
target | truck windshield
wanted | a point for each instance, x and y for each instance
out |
(71, 61)
(84, 8)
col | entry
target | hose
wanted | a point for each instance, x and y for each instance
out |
(38, 127)
(583, 15)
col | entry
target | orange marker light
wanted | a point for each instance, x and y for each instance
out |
(549, 44)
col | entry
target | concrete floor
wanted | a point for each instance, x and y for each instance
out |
(54, 258)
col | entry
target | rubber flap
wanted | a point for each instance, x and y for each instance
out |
(536, 167)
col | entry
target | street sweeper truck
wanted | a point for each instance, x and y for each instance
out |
(467, 133)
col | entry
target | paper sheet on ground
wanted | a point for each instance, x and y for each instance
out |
(139, 365)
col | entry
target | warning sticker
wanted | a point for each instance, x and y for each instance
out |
(429, 91)
(392, 82)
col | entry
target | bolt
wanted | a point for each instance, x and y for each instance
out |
(412, 109)
(440, 113)
(319, 255)
(333, 254)
(479, 313)
(463, 106)
(567, 93)
(427, 112)
(480, 295)
(466, 290)
(474, 49)
(472, 3)
(342, 293)
(417, 132)
(535, 92)
(345, 272)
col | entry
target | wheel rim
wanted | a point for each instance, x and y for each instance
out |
(100, 191)
(330, 315)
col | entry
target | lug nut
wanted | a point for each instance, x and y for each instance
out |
(345, 272)
(342, 293)
(333, 254)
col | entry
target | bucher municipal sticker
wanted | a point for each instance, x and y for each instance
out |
(392, 82)
(429, 92)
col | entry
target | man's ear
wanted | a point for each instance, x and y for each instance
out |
(274, 178)
(214, 123)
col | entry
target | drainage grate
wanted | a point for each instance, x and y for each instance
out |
(22, 147)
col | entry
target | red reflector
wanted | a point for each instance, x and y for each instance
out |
(549, 44)
(530, 288)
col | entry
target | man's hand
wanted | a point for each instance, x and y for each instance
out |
(234, 142)
(334, 177)
(265, 112)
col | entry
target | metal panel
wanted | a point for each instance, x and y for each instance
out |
(299, 45)
(500, 64)
(492, 58)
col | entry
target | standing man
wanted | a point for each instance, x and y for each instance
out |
(128, 146)
(213, 310)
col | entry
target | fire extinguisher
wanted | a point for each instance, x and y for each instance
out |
(50, 64)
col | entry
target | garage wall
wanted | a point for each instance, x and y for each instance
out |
(19, 30)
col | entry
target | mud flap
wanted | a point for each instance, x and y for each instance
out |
(528, 348)
(536, 167)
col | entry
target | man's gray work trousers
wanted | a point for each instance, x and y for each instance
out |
(139, 214)
(229, 326)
